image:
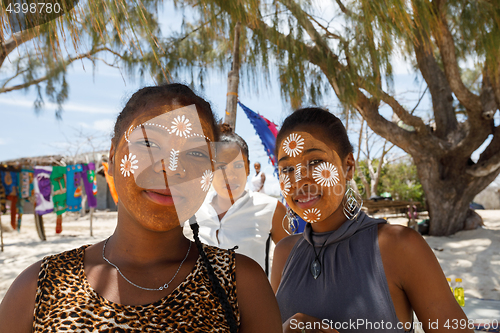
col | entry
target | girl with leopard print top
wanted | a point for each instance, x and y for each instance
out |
(147, 277)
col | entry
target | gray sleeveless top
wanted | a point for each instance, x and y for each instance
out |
(351, 286)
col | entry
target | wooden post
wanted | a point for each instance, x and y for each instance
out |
(1, 233)
(233, 80)
(91, 216)
(39, 227)
(412, 223)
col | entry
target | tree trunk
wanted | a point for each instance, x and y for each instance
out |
(233, 80)
(449, 191)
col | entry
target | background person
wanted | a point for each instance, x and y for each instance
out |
(147, 276)
(258, 179)
(232, 216)
(347, 265)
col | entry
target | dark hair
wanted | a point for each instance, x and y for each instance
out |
(228, 135)
(166, 93)
(179, 94)
(219, 291)
(319, 119)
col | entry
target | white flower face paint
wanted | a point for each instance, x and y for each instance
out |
(181, 126)
(284, 185)
(298, 172)
(174, 157)
(128, 165)
(206, 180)
(326, 174)
(312, 215)
(293, 145)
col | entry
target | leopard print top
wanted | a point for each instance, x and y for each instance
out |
(65, 301)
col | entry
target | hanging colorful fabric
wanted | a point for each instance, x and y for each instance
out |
(20, 201)
(26, 183)
(3, 199)
(9, 180)
(73, 190)
(89, 182)
(58, 181)
(42, 189)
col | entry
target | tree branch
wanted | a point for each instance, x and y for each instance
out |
(441, 93)
(446, 47)
(403, 114)
(17, 39)
(485, 168)
(66, 62)
(343, 8)
(327, 32)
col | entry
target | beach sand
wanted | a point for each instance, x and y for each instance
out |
(472, 255)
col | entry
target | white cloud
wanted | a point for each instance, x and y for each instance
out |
(3, 141)
(68, 107)
(104, 125)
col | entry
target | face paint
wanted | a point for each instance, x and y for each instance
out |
(174, 156)
(170, 159)
(284, 184)
(318, 188)
(312, 215)
(326, 174)
(298, 172)
(206, 180)
(181, 126)
(293, 145)
(128, 166)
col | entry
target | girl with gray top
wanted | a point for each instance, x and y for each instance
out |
(347, 272)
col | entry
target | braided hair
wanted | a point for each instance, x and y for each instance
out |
(219, 291)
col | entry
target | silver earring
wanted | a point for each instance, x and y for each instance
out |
(293, 222)
(352, 204)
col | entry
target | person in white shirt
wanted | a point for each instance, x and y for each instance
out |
(232, 216)
(259, 179)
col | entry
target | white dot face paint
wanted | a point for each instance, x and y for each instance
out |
(293, 145)
(128, 165)
(312, 215)
(298, 172)
(206, 180)
(181, 126)
(326, 174)
(284, 184)
(174, 157)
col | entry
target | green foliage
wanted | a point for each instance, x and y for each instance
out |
(398, 178)
(401, 180)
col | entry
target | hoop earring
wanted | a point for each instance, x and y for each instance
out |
(293, 223)
(352, 204)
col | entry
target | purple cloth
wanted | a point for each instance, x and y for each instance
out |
(88, 182)
(42, 188)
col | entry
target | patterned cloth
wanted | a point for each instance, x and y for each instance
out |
(90, 182)
(42, 189)
(3, 199)
(65, 301)
(74, 187)
(58, 181)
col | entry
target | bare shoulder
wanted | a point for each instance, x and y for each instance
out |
(286, 244)
(16, 309)
(281, 253)
(400, 238)
(258, 307)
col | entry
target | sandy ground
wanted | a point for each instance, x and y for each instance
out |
(473, 255)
